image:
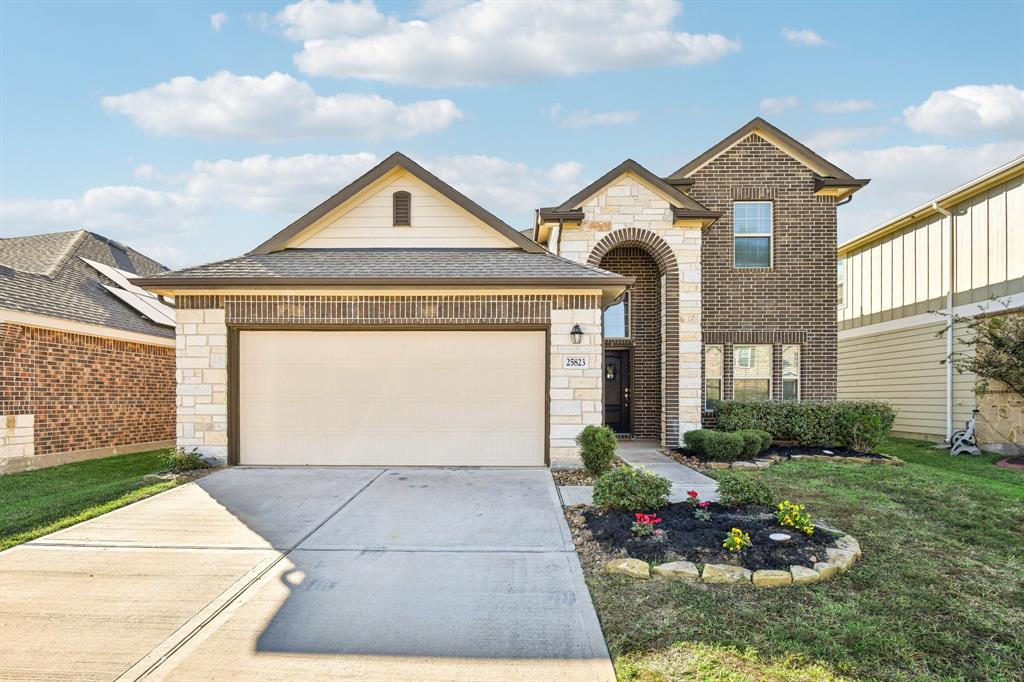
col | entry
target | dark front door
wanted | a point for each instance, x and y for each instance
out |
(617, 386)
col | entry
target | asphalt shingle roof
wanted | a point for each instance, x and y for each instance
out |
(44, 274)
(392, 264)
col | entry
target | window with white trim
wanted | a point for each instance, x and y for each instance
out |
(616, 319)
(791, 372)
(752, 234)
(752, 372)
(713, 356)
(841, 283)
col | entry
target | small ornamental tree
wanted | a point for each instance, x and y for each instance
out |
(994, 350)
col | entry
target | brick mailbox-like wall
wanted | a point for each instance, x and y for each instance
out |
(67, 396)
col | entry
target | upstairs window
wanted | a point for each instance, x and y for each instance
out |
(401, 204)
(752, 234)
(616, 320)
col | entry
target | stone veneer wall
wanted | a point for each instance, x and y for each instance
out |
(645, 219)
(203, 322)
(66, 396)
(794, 301)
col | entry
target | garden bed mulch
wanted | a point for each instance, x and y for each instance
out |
(689, 539)
(578, 476)
(779, 453)
(1012, 463)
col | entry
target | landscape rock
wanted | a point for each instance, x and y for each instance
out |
(724, 573)
(840, 557)
(718, 465)
(850, 544)
(634, 568)
(803, 575)
(826, 570)
(678, 570)
(744, 465)
(772, 578)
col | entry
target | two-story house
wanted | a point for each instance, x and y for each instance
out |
(399, 322)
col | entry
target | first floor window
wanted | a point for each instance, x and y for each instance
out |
(752, 372)
(712, 376)
(616, 320)
(791, 372)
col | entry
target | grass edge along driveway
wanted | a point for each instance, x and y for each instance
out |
(939, 594)
(39, 502)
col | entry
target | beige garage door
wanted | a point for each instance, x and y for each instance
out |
(443, 398)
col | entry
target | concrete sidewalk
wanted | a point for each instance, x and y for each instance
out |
(310, 573)
(643, 453)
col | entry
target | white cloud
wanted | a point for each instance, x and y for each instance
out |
(777, 105)
(275, 108)
(585, 118)
(969, 109)
(805, 37)
(315, 19)
(907, 176)
(844, 106)
(217, 209)
(218, 20)
(493, 41)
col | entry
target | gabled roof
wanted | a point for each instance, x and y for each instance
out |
(388, 267)
(48, 275)
(398, 160)
(788, 144)
(675, 197)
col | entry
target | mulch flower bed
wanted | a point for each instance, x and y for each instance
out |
(689, 539)
(578, 476)
(1012, 463)
(778, 453)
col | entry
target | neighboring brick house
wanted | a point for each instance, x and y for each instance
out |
(400, 323)
(86, 359)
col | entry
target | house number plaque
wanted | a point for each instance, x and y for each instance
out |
(575, 362)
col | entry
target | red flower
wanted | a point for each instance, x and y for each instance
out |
(705, 503)
(693, 494)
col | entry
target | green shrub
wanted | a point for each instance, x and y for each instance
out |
(723, 447)
(718, 446)
(856, 424)
(736, 489)
(751, 442)
(597, 448)
(635, 490)
(178, 460)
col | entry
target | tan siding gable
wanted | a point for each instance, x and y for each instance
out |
(365, 221)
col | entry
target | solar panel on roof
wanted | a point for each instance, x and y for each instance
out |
(136, 297)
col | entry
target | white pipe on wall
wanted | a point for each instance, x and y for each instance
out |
(949, 314)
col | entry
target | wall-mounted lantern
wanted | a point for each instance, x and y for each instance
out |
(576, 334)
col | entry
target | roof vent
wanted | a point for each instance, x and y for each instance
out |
(402, 208)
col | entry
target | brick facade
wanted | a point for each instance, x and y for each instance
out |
(83, 393)
(644, 339)
(203, 324)
(794, 301)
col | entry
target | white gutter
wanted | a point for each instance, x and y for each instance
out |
(949, 314)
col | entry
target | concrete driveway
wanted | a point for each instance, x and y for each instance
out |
(346, 573)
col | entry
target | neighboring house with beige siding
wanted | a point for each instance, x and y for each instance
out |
(894, 278)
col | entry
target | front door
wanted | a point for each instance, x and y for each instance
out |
(617, 386)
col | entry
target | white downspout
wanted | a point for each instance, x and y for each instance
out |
(949, 314)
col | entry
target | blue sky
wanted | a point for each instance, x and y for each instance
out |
(194, 130)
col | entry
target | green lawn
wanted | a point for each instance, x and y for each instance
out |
(34, 503)
(938, 595)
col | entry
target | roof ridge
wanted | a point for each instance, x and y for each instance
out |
(66, 255)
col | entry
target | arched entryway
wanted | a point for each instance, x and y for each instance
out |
(642, 343)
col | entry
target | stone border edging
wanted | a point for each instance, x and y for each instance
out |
(840, 559)
(765, 462)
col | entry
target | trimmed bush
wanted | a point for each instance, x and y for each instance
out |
(597, 448)
(718, 446)
(751, 442)
(855, 424)
(635, 490)
(696, 439)
(736, 489)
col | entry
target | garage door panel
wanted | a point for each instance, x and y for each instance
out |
(395, 398)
